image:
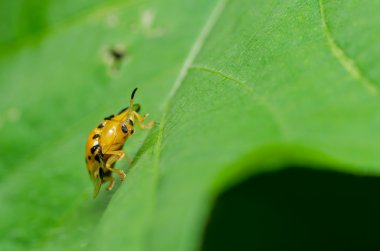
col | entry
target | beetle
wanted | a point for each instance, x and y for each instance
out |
(104, 144)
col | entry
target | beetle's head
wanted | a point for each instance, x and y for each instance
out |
(97, 179)
(136, 107)
(132, 106)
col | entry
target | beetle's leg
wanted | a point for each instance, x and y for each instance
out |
(115, 156)
(141, 119)
(111, 180)
(145, 126)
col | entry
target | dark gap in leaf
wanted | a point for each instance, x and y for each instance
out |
(297, 209)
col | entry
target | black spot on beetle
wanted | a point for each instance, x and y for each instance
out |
(132, 131)
(123, 110)
(89, 157)
(124, 128)
(109, 117)
(98, 157)
(94, 148)
(101, 125)
(96, 136)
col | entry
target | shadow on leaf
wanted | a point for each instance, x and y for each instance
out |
(297, 209)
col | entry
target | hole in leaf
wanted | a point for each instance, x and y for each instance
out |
(114, 56)
(297, 209)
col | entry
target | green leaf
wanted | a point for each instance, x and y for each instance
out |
(238, 88)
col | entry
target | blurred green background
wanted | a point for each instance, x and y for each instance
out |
(267, 136)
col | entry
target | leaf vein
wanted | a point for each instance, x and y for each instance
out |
(348, 63)
(277, 119)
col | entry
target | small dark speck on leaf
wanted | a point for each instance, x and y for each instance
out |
(115, 56)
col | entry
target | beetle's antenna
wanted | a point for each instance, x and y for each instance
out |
(132, 96)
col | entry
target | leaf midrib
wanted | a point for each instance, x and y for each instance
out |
(194, 51)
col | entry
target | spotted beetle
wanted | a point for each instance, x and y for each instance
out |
(104, 144)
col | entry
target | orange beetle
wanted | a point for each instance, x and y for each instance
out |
(104, 144)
